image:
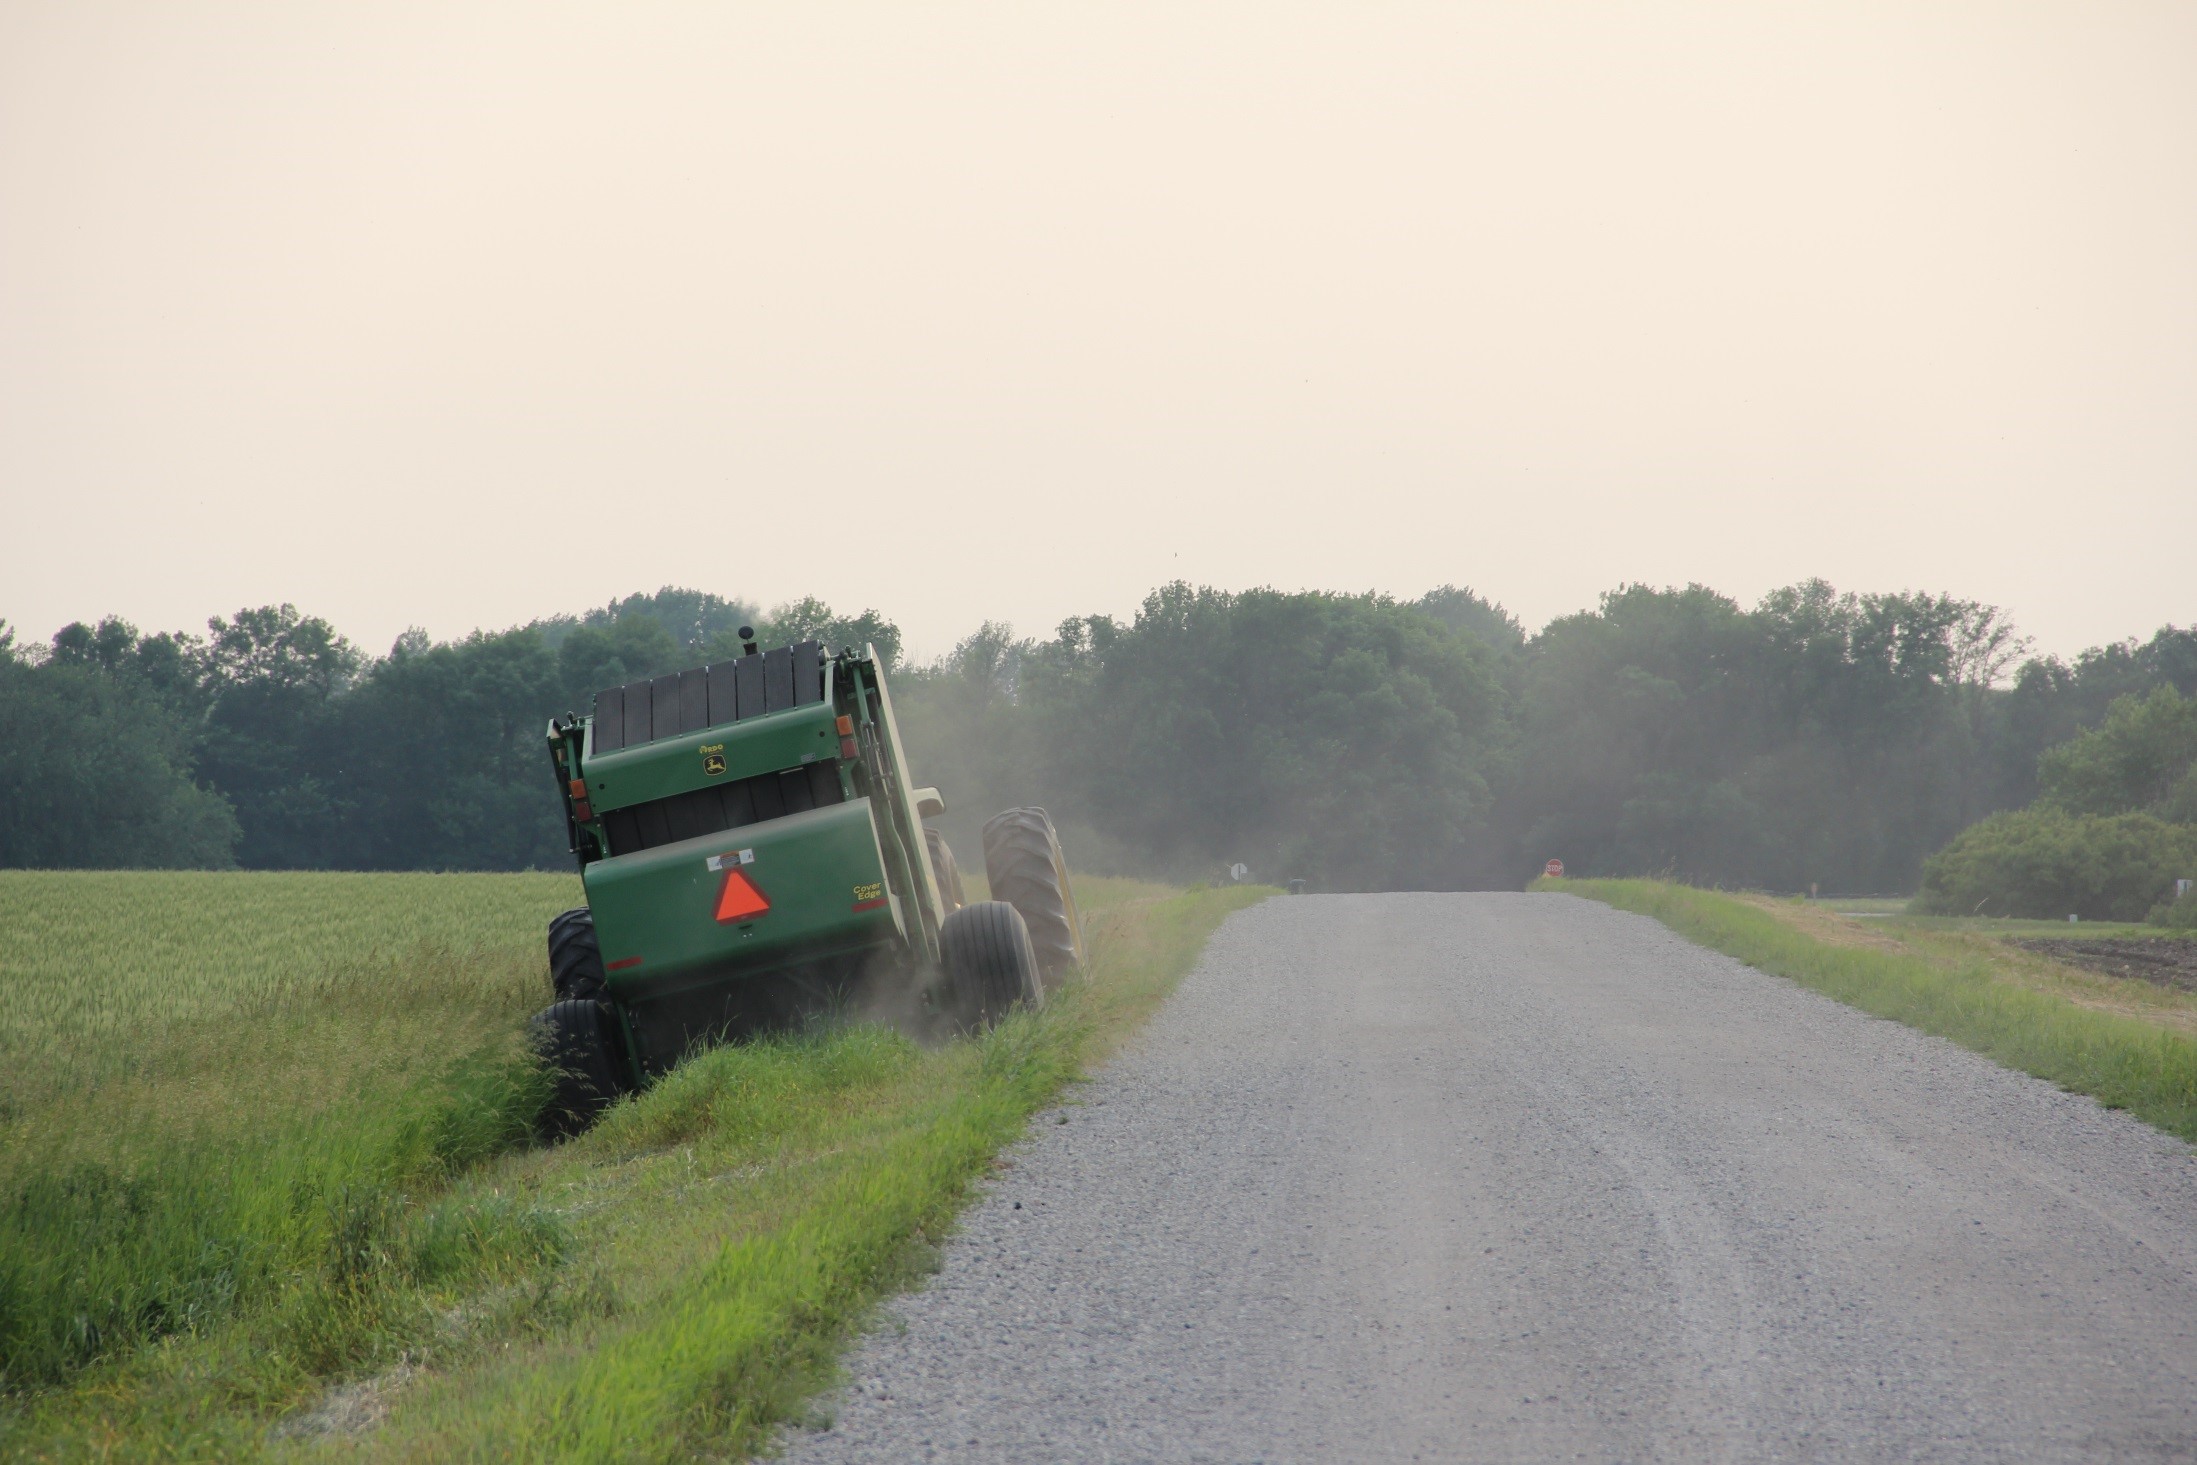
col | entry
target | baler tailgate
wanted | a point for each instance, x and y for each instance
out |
(818, 870)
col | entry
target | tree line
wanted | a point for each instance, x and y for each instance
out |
(1357, 741)
(2111, 832)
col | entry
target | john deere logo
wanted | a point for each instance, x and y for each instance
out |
(713, 759)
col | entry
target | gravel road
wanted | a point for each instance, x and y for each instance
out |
(1519, 1177)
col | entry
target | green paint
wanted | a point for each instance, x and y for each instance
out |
(847, 884)
(675, 765)
(814, 868)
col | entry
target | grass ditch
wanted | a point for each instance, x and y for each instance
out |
(1955, 985)
(204, 1127)
(385, 1267)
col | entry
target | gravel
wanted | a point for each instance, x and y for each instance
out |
(1509, 1177)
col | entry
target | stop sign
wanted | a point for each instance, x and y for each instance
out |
(1554, 870)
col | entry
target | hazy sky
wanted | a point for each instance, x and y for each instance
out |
(455, 315)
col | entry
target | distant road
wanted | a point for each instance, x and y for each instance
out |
(1518, 1177)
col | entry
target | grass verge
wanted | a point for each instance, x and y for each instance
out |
(746, 1213)
(1957, 991)
(673, 1285)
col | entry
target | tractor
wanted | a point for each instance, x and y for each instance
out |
(754, 854)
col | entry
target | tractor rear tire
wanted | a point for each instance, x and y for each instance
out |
(1022, 859)
(990, 966)
(579, 1048)
(946, 870)
(576, 971)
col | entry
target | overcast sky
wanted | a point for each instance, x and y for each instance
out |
(455, 315)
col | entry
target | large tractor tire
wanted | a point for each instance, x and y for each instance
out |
(576, 958)
(579, 1047)
(945, 870)
(1022, 859)
(990, 966)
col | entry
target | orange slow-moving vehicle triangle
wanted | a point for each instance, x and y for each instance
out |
(740, 900)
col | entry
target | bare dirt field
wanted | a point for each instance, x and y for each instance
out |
(2164, 961)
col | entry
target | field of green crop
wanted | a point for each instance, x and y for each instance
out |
(268, 1183)
(219, 1091)
(103, 968)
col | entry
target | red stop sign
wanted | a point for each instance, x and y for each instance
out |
(1554, 870)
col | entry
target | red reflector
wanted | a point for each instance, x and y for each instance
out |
(582, 812)
(847, 748)
(869, 905)
(622, 963)
(740, 900)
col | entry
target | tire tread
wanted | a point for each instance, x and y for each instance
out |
(990, 965)
(575, 1040)
(1023, 863)
(576, 971)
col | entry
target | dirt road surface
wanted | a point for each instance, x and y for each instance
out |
(1518, 1177)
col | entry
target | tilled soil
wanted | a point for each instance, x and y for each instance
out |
(2166, 961)
(1523, 1178)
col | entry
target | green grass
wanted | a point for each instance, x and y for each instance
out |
(2050, 930)
(747, 1212)
(320, 1174)
(100, 964)
(1865, 905)
(220, 1095)
(1895, 912)
(1957, 991)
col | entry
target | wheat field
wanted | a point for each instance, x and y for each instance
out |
(208, 1081)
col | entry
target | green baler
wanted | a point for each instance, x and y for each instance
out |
(753, 852)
